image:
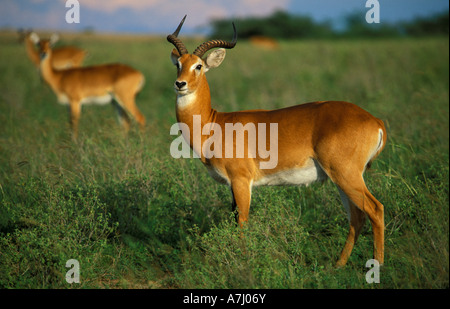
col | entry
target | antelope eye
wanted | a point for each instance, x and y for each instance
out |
(178, 66)
(199, 67)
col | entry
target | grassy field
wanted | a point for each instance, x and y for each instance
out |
(134, 217)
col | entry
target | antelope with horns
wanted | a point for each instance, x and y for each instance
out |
(99, 84)
(316, 141)
(63, 57)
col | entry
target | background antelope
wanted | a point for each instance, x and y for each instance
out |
(264, 42)
(99, 84)
(63, 57)
(316, 141)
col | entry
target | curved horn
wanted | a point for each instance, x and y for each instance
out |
(202, 49)
(173, 38)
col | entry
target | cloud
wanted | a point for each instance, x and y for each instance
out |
(111, 6)
(207, 7)
(132, 15)
(200, 12)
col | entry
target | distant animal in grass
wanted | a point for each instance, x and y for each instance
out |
(63, 57)
(100, 84)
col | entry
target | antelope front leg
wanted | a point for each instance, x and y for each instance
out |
(75, 111)
(233, 207)
(241, 191)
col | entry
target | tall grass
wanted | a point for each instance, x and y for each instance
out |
(134, 217)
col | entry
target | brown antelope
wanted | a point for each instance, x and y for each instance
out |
(316, 141)
(264, 42)
(63, 57)
(99, 84)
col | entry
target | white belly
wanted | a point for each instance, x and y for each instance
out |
(306, 175)
(294, 177)
(97, 100)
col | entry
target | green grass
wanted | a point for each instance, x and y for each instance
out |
(134, 217)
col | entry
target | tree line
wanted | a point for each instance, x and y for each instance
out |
(282, 25)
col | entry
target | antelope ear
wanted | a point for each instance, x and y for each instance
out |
(54, 38)
(174, 55)
(34, 37)
(215, 58)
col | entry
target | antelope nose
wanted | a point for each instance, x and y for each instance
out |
(180, 85)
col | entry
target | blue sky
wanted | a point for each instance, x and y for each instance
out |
(161, 16)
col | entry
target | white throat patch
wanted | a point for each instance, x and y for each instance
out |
(185, 99)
